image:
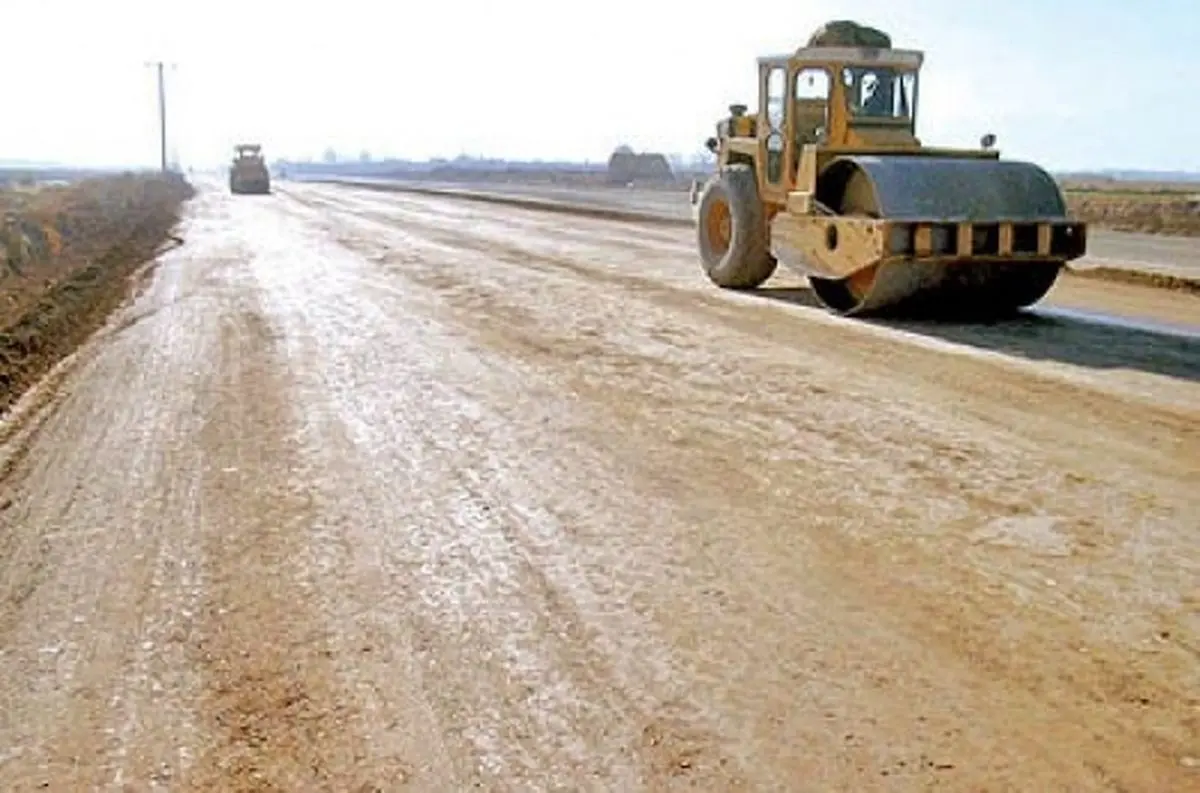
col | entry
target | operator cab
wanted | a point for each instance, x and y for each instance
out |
(247, 151)
(873, 90)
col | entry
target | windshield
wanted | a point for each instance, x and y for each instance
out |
(879, 92)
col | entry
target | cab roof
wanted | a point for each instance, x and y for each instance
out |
(857, 56)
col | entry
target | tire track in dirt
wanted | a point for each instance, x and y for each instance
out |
(301, 689)
(540, 205)
(273, 707)
(161, 618)
(95, 600)
(534, 681)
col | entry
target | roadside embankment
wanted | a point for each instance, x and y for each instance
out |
(66, 257)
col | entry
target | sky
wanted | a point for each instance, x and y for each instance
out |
(1070, 84)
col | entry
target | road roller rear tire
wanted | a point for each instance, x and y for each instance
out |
(731, 232)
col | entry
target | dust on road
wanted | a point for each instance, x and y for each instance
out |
(374, 492)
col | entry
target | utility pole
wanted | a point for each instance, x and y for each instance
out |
(162, 114)
(162, 117)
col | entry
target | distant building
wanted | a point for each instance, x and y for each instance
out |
(626, 166)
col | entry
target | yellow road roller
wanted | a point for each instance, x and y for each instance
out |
(830, 178)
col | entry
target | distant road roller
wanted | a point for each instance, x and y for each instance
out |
(830, 178)
(248, 172)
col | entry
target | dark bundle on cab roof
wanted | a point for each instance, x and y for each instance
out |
(847, 33)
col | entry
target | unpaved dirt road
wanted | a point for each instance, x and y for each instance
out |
(375, 492)
(1155, 253)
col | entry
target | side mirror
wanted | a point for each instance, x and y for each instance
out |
(987, 141)
(711, 144)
